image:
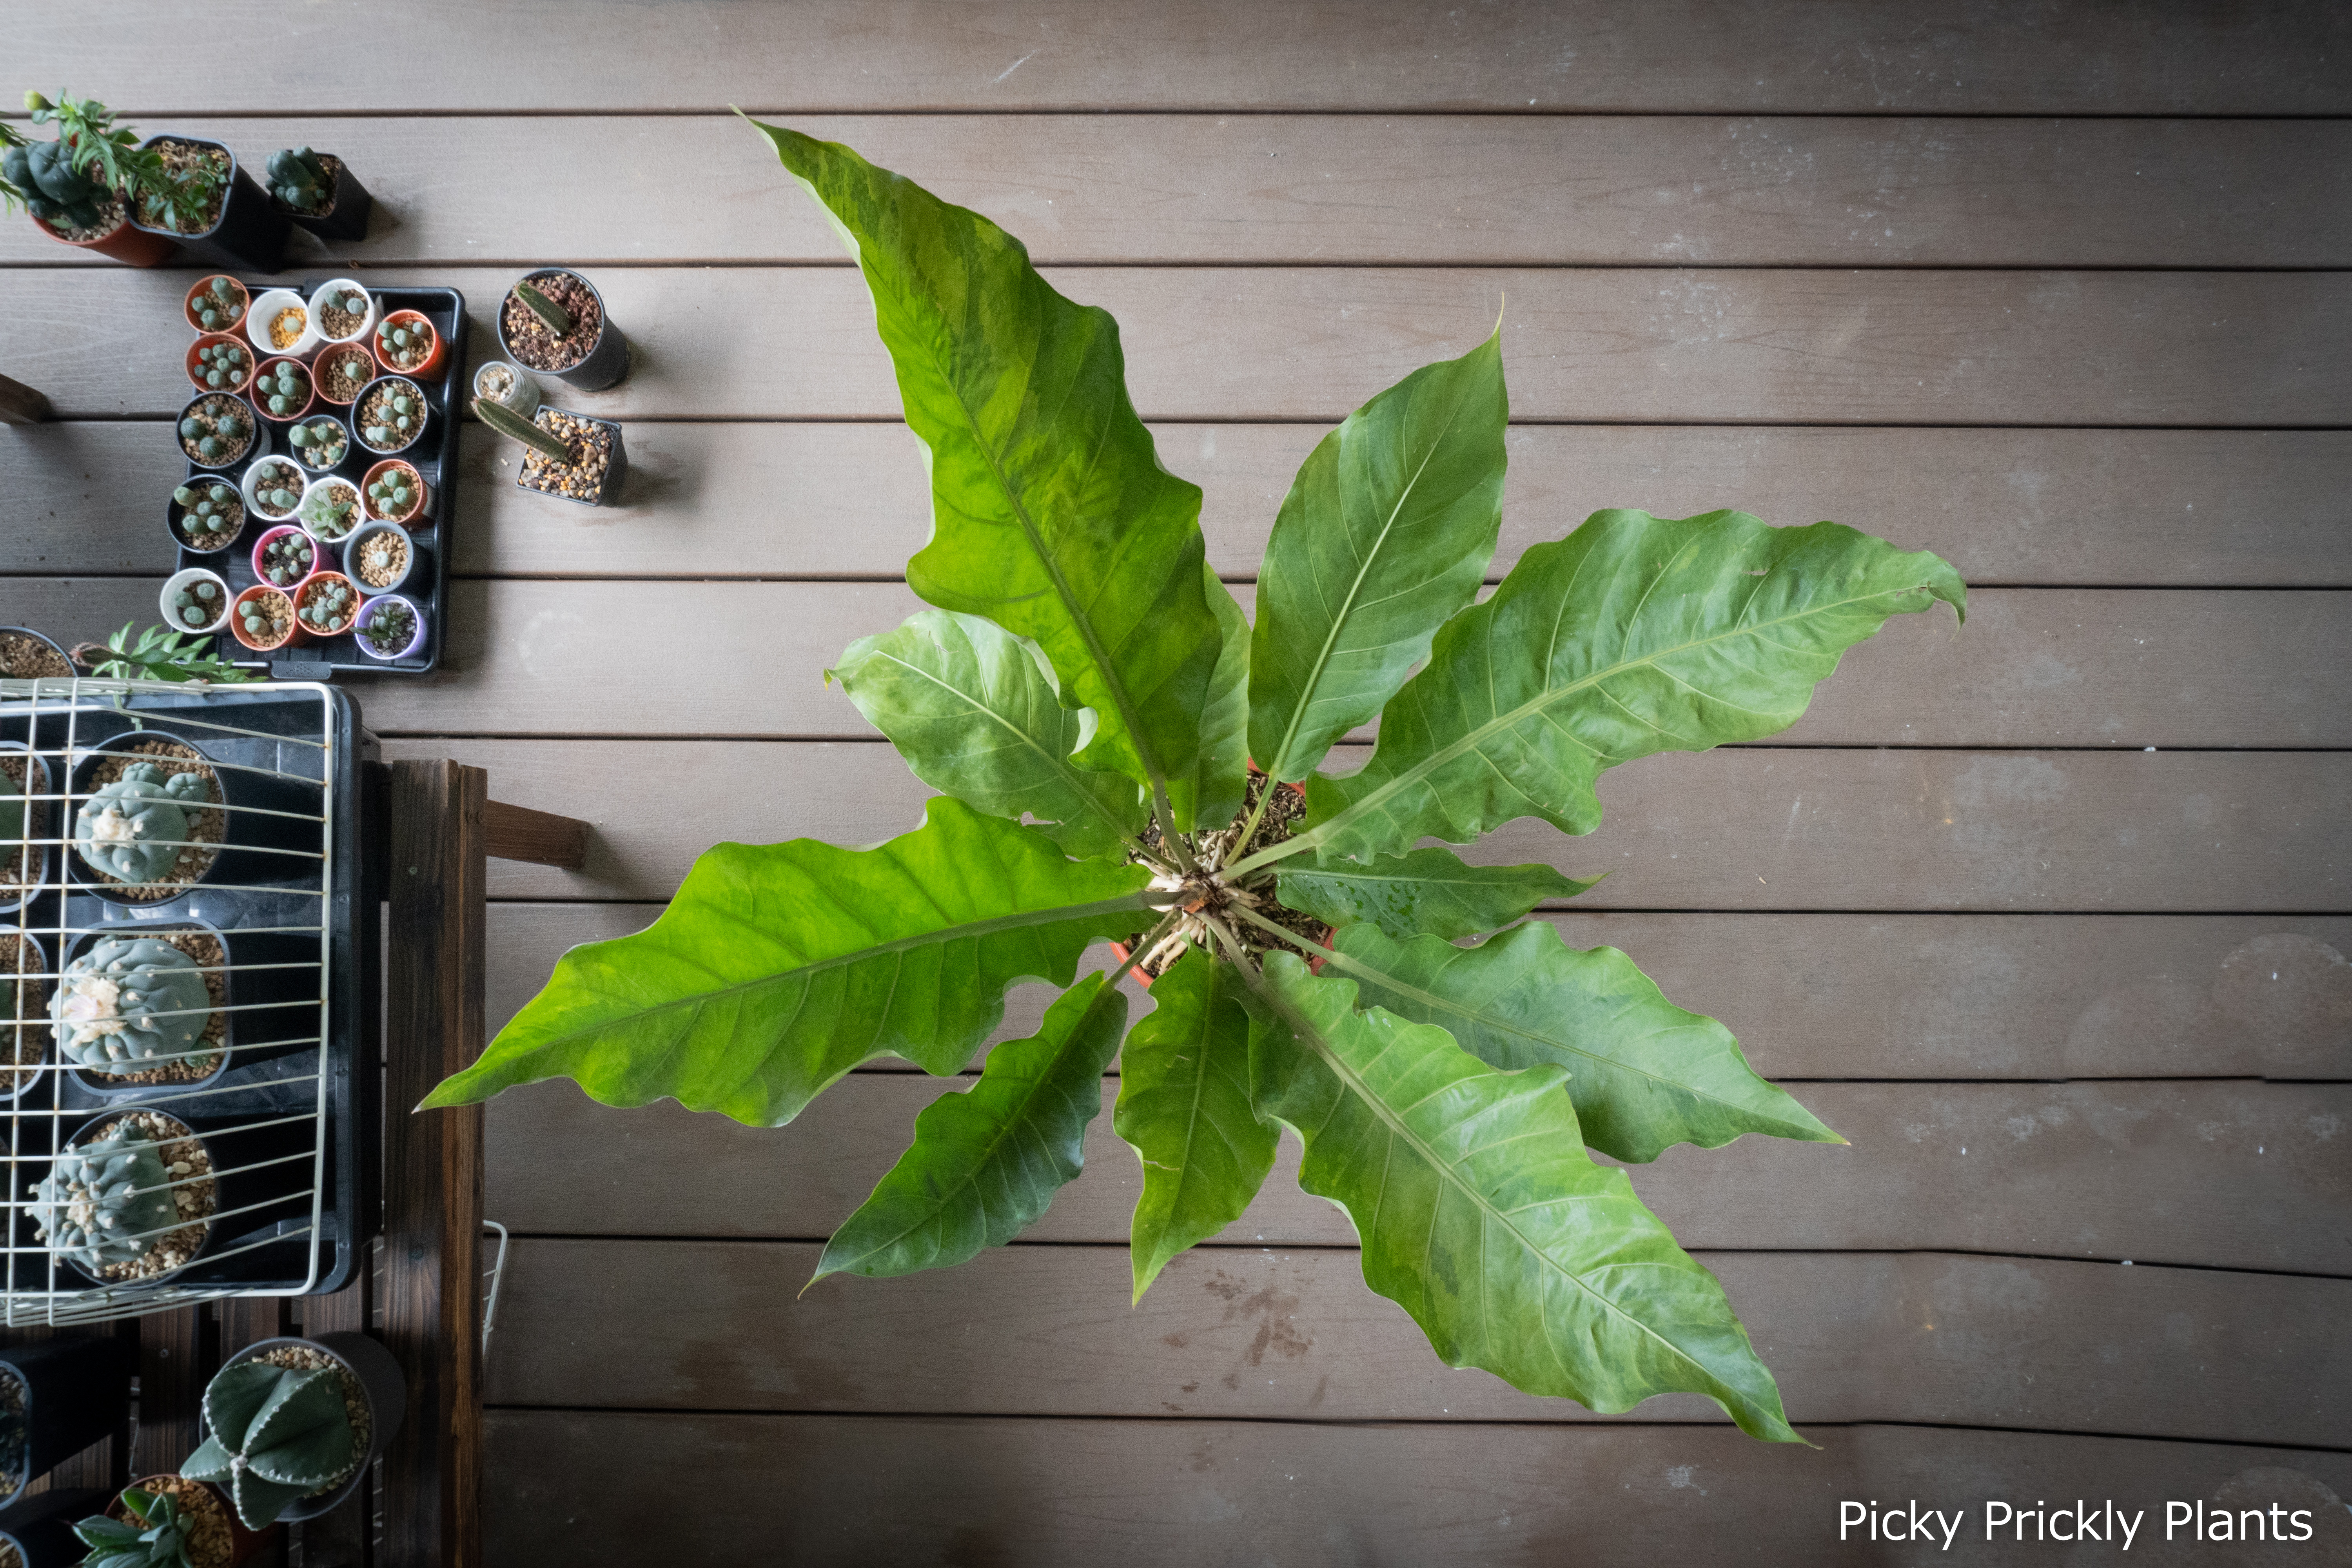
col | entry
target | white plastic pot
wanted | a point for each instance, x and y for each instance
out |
(342, 286)
(253, 511)
(268, 306)
(185, 582)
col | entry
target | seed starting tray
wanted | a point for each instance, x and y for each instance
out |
(434, 456)
(280, 1115)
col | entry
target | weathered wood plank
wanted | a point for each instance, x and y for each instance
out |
(1821, 996)
(1076, 1494)
(1290, 1334)
(1695, 345)
(2093, 508)
(2227, 1174)
(1594, 190)
(1989, 57)
(1745, 828)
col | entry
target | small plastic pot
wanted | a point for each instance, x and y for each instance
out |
(262, 593)
(189, 582)
(125, 242)
(348, 205)
(256, 477)
(38, 814)
(267, 377)
(319, 522)
(368, 649)
(417, 514)
(114, 1090)
(364, 371)
(256, 445)
(28, 632)
(615, 470)
(261, 320)
(41, 1527)
(209, 541)
(523, 393)
(229, 318)
(308, 455)
(249, 232)
(319, 555)
(314, 592)
(77, 1390)
(344, 288)
(607, 359)
(211, 342)
(232, 791)
(409, 320)
(356, 545)
(395, 440)
(381, 1385)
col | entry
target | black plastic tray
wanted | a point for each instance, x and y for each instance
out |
(434, 456)
(272, 890)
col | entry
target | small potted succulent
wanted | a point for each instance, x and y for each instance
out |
(208, 205)
(390, 628)
(343, 373)
(319, 442)
(205, 514)
(215, 304)
(326, 604)
(149, 827)
(390, 416)
(167, 1521)
(131, 1198)
(381, 557)
(282, 390)
(571, 455)
(314, 190)
(344, 310)
(217, 362)
(72, 187)
(331, 510)
(394, 491)
(500, 381)
(280, 322)
(263, 621)
(290, 1425)
(133, 1014)
(406, 345)
(218, 431)
(553, 321)
(272, 489)
(285, 555)
(26, 655)
(57, 1396)
(194, 600)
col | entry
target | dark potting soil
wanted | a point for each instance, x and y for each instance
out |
(591, 441)
(1283, 817)
(23, 657)
(180, 157)
(533, 343)
(20, 864)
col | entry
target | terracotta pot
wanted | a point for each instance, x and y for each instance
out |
(203, 286)
(215, 340)
(131, 246)
(412, 320)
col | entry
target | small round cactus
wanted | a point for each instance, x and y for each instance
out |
(134, 828)
(298, 178)
(106, 1203)
(129, 1005)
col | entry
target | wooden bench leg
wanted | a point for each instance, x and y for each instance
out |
(20, 404)
(542, 838)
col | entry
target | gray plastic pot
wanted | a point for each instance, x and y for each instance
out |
(387, 1400)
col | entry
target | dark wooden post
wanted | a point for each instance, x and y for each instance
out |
(20, 404)
(173, 1364)
(433, 1165)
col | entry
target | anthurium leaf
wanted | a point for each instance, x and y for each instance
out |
(1643, 1073)
(1209, 791)
(1427, 890)
(985, 1162)
(1385, 533)
(1633, 634)
(974, 711)
(1184, 1107)
(1051, 514)
(779, 967)
(1482, 1215)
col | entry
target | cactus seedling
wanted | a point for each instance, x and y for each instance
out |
(265, 617)
(319, 443)
(198, 605)
(300, 180)
(134, 828)
(217, 306)
(106, 1203)
(216, 430)
(284, 390)
(287, 559)
(330, 511)
(276, 487)
(221, 366)
(278, 1435)
(392, 416)
(515, 428)
(558, 320)
(129, 1005)
(405, 342)
(209, 513)
(392, 493)
(327, 604)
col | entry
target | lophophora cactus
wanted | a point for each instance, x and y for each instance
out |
(224, 365)
(284, 390)
(279, 487)
(128, 1005)
(198, 605)
(287, 559)
(215, 428)
(134, 828)
(393, 491)
(106, 1203)
(405, 344)
(207, 512)
(399, 415)
(327, 605)
(319, 444)
(217, 308)
(54, 191)
(279, 1434)
(300, 179)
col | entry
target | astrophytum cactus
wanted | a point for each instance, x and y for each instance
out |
(134, 828)
(279, 1434)
(105, 1202)
(129, 1005)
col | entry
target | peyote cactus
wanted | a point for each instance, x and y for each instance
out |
(318, 444)
(134, 828)
(300, 180)
(330, 511)
(392, 493)
(284, 390)
(558, 320)
(326, 606)
(350, 300)
(224, 365)
(198, 605)
(278, 487)
(106, 1203)
(395, 417)
(216, 428)
(405, 344)
(208, 511)
(218, 308)
(128, 1005)
(515, 428)
(159, 1538)
(278, 1435)
(54, 191)
(287, 559)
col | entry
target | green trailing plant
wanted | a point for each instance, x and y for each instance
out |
(284, 390)
(134, 828)
(1085, 672)
(158, 1537)
(159, 653)
(557, 318)
(300, 179)
(107, 1203)
(129, 1004)
(108, 156)
(515, 428)
(277, 1435)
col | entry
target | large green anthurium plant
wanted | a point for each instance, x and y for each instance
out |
(1088, 699)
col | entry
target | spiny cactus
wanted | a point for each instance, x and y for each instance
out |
(284, 389)
(558, 320)
(223, 365)
(208, 509)
(406, 342)
(298, 178)
(128, 1005)
(159, 1539)
(134, 828)
(216, 309)
(392, 493)
(287, 559)
(54, 191)
(515, 428)
(328, 607)
(279, 1434)
(105, 1202)
(330, 511)
(320, 444)
(217, 428)
(278, 490)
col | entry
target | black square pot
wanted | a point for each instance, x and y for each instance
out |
(77, 1390)
(250, 231)
(41, 1528)
(615, 470)
(348, 206)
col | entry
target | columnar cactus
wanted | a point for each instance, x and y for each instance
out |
(134, 828)
(300, 179)
(279, 1434)
(105, 1202)
(129, 1004)
(557, 318)
(54, 191)
(515, 428)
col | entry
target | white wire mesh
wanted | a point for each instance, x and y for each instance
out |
(264, 894)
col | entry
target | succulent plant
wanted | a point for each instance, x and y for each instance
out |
(388, 626)
(300, 179)
(216, 309)
(350, 298)
(224, 365)
(284, 389)
(407, 342)
(287, 559)
(279, 488)
(157, 653)
(330, 511)
(89, 143)
(320, 444)
(134, 828)
(393, 492)
(258, 623)
(515, 428)
(198, 605)
(328, 607)
(54, 190)
(397, 416)
(129, 1004)
(105, 1202)
(558, 320)
(208, 509)
(278, 1435)
(217, 426)
(159, 1538)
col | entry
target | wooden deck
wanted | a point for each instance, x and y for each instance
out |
(2048, 916)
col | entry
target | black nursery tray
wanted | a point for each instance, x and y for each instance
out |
(436, 456)
(285, 898)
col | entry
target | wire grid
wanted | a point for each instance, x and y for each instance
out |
(270, 1214)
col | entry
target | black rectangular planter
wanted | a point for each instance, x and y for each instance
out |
(250, 231)
(346, 216)
(76, 1392)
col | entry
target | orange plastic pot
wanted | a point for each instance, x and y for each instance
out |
(412, 320)
(131, 246)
